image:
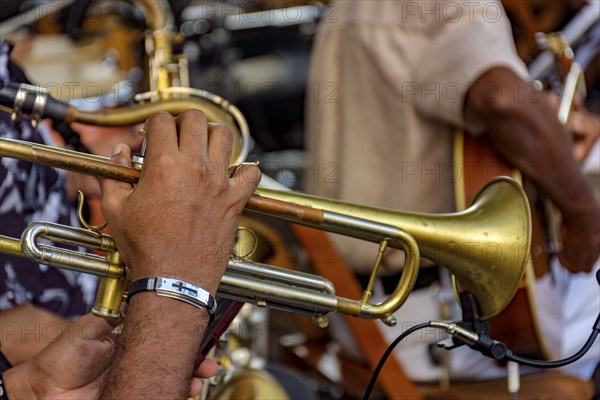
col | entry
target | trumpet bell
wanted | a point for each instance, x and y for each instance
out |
(485, 246)
(493, 274)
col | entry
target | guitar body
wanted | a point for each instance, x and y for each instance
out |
(517, 325)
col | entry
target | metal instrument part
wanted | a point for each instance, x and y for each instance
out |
(168, 92)
(485, 246)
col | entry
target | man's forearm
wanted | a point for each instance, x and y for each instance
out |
(157, 349)
(525, 130)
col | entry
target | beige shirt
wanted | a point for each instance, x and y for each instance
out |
(387, 85)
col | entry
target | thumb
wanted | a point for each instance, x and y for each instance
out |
(115, 192)
(95, 328)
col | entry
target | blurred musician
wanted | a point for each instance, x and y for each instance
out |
(406, 75)
(33, 297)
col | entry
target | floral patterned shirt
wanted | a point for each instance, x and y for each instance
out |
(31, 193)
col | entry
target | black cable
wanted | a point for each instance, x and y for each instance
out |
(387, 354)
(558, 363)
(486, 346)
(565, 361)
(561, 363)
(484, 349)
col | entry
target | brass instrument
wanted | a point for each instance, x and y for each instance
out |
(169, 91)
(485, 247)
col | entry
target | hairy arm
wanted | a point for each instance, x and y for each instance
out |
(157, 349)
(87, 348)
(178, 222)
(18, 347)
(525, 129)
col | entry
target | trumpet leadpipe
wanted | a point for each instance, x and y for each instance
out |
(87, 164)
(99, 166)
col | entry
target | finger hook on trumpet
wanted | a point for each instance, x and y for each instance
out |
(82, 221)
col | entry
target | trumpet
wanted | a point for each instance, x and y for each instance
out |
(485, 246)
(169, 91)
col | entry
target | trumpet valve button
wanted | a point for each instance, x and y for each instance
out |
(137, 161)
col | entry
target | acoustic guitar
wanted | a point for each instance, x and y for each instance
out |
(518, 324)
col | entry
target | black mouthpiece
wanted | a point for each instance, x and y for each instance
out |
(23, 97)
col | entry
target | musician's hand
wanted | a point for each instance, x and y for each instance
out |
(74, 365)
(70, 367)
(581, 241)
(583, 125)
(180, 220)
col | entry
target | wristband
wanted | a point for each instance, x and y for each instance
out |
(176, 289)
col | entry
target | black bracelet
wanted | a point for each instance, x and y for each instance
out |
(176, 289)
